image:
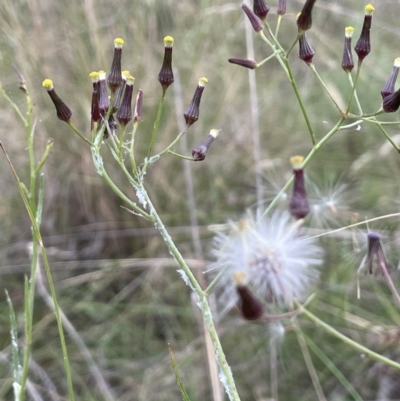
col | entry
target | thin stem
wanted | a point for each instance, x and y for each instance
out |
(192, 159)
(293, 45)
(308, 360)
(355, 93)
(354, 86)
(121, 142)
(278, 24)
(79, 134)
(132, 148)
(303, 109)
(347, 340)
(331, 366)
(313, 69)
(388, 137)
(189, 278)
(389, 280)
(156, 124)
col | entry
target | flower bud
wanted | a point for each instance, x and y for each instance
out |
(95, 110)
(120, 91)
(347, 59)
(304, 21)
(193, 110)
(200, 152)
(137, 115)
(363, 46)
(104, 101)
(299, 207)
(306, 52)
(124, 114)
(391, 103)
(166, 75)
(375, 252)
(64, 113)
(388, 88)
(249, 305)
(114, 79)
(260, 9)
(255, 22)
(251, 64)
(281, 10)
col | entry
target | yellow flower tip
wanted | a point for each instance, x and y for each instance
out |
(125, 74)
(130, 80)
(203, 81)
(168, 41)
(118, 43)
(94, 76)
(297, 162)
(214, 132)
(239, 278)
(102, 74)
(48, 84)
(349, 31)
(298, 15)
(369, 9)
(397, 62)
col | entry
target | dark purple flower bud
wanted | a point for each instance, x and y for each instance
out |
(388, 88)
(363, 46)
(260, 9)
(281, 10)
(250, 307)
(137, 115)
(104, 101)
(304, 21)
(64, 113)
(114, 79)
(347, 60)
(120, 91)
(166, 75)
(95, 111)
(299, 207)
(193, 110)
(391, 103)
(255, 22)
(200, 152)
(306, 52)
(124, 114)
(251, 64)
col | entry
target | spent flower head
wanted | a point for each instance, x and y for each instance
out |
(278, 261)
(104, 101)
(363, 46)
(137, 115)
(64, 113)
(391, 103)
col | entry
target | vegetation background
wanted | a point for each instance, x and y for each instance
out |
(115, 279)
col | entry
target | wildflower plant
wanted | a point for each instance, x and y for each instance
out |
(266, 265)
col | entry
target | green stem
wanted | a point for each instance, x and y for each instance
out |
(355, 93)
(373, 355)
(312, 66)
(156, 123)
(190, 279)
(121, 142)
(132, 148)
(353, 89)
(79, 134)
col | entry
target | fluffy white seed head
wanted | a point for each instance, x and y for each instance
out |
(279, 262)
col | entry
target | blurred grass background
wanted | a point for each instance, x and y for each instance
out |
(114, 277)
